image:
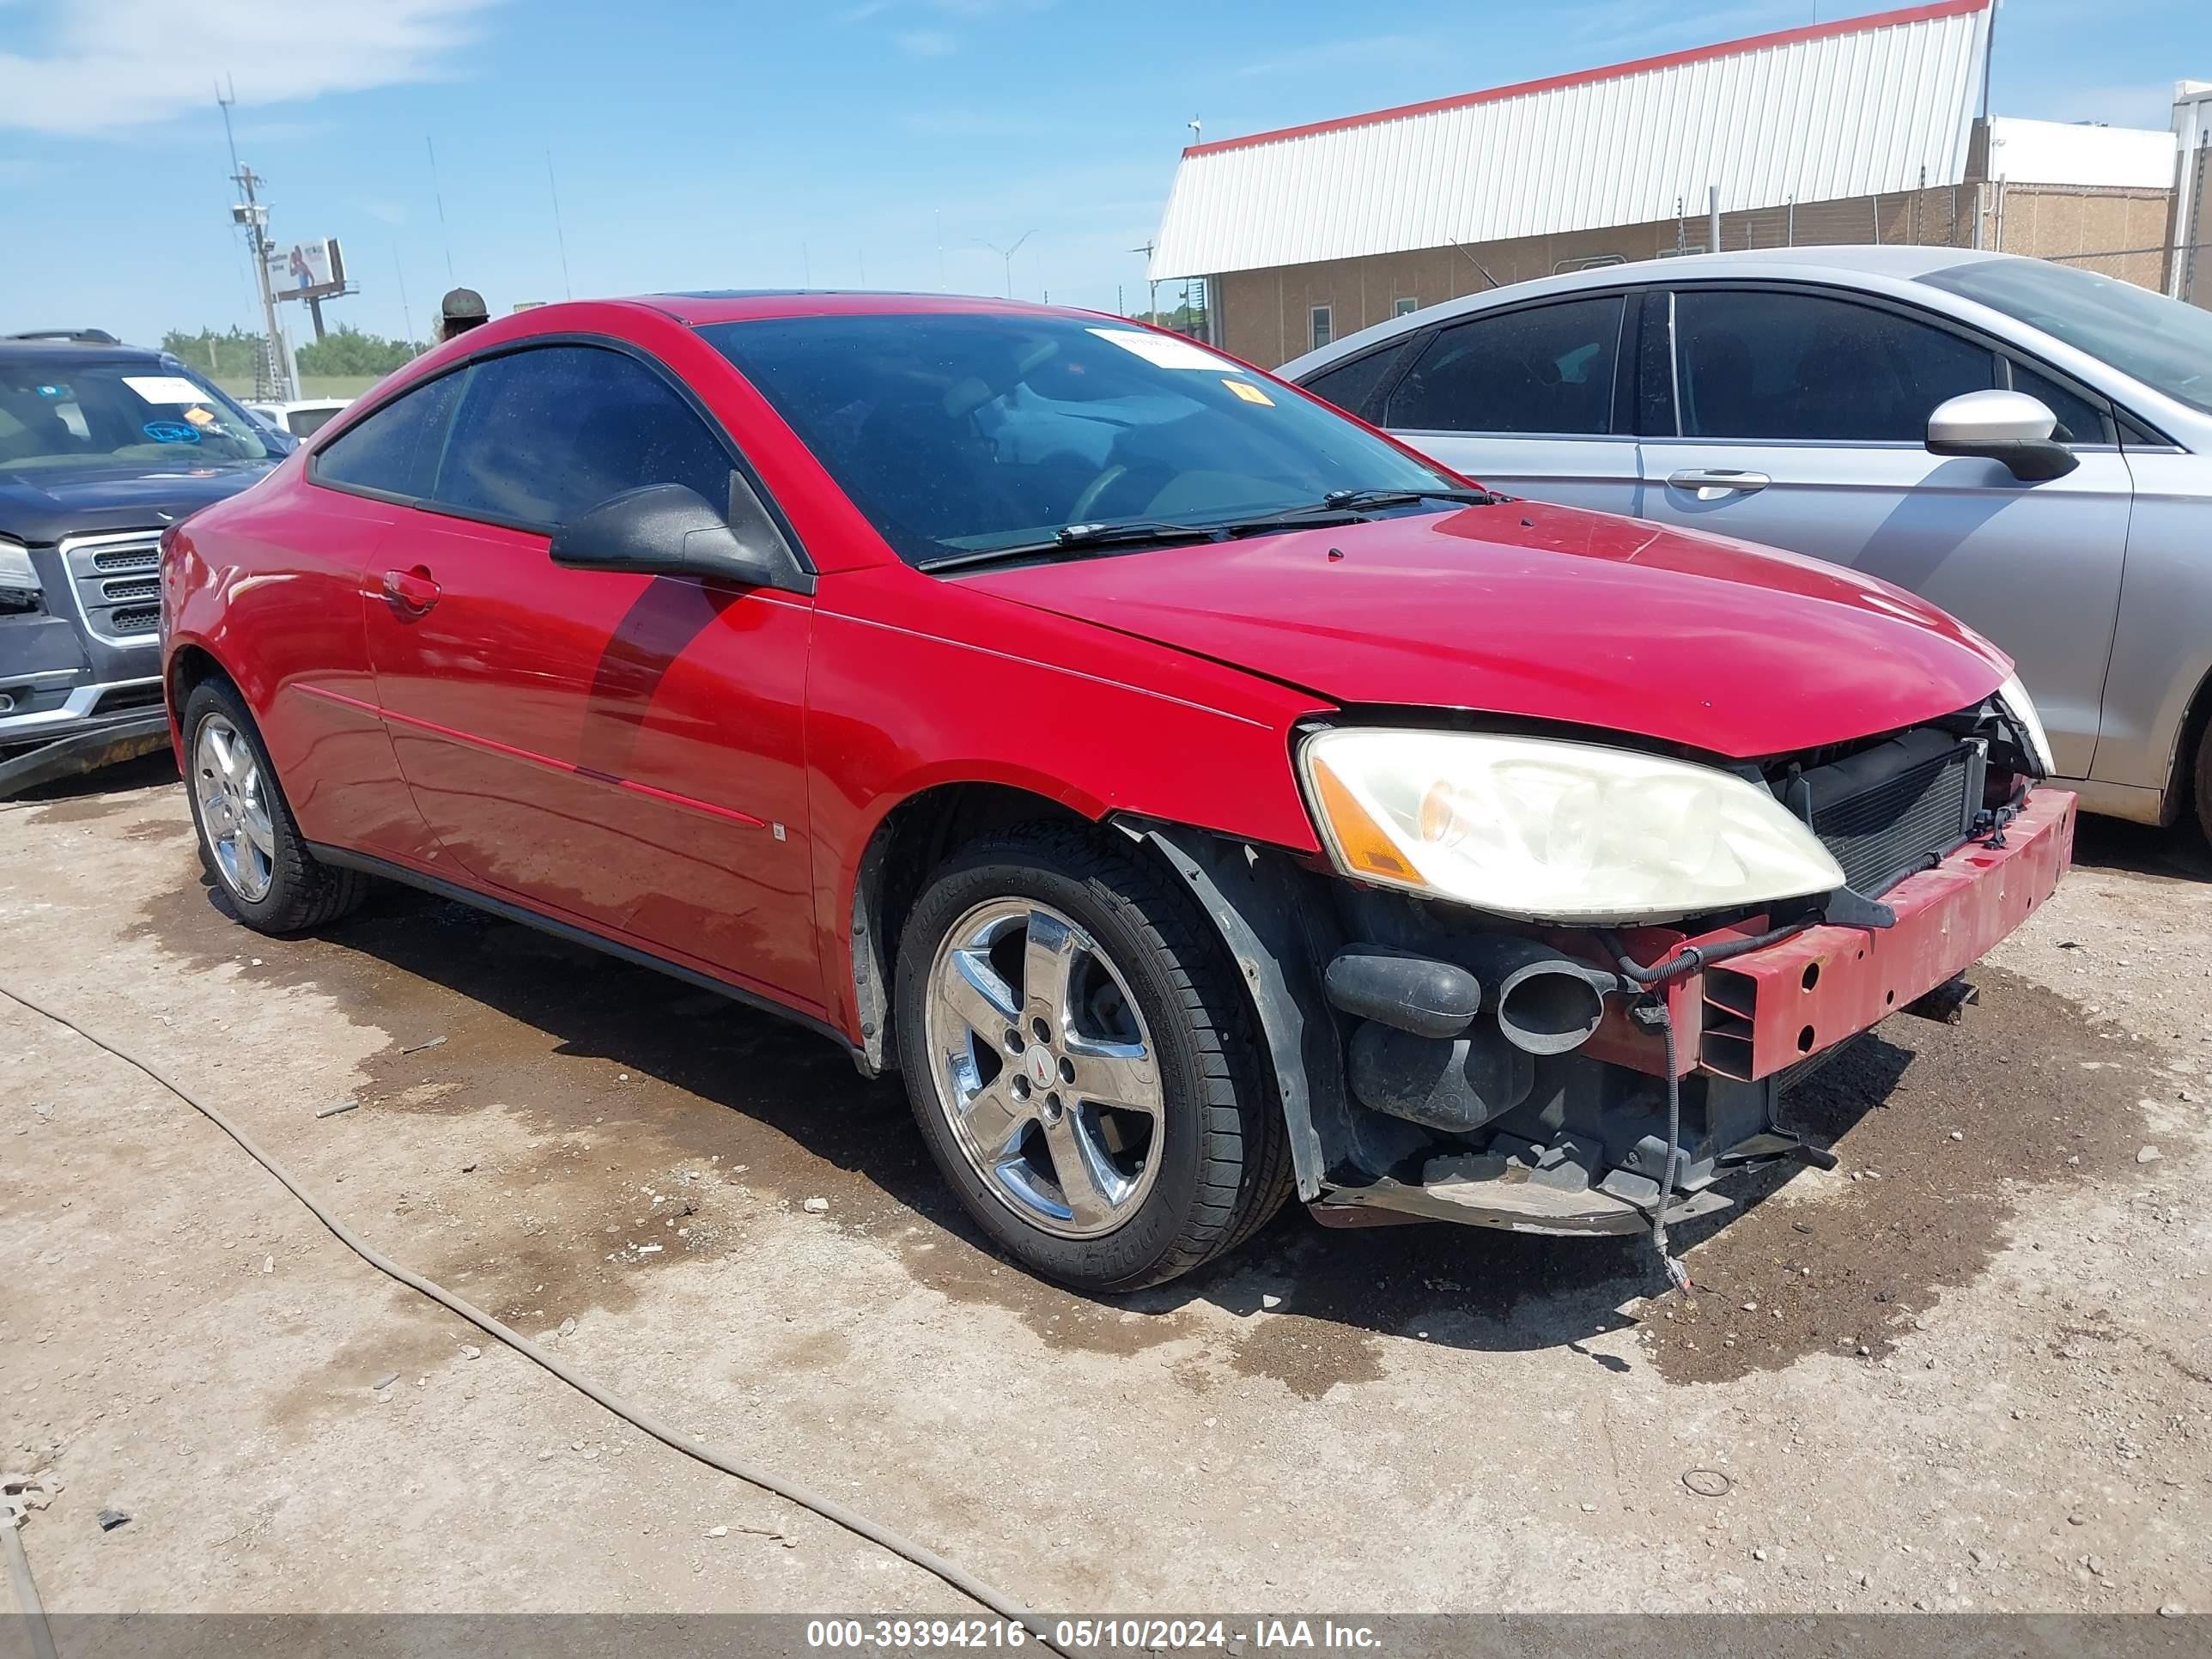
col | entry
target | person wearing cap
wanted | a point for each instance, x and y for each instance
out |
(461, 310)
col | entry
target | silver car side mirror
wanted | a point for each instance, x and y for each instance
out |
(2007, 427)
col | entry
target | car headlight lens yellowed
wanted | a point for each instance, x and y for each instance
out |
(1543, 830)
(2021, 707)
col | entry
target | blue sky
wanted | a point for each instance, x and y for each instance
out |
(746, 144)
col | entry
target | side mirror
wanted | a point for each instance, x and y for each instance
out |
(662, 530)
(2008, 426)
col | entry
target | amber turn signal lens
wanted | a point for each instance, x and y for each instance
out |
(1359, 840)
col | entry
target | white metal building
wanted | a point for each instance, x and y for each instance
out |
(1865, 129)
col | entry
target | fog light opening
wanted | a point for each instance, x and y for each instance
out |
(1549, 1012)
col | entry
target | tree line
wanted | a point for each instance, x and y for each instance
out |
(345, 351)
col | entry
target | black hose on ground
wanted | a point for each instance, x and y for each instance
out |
(28, 1608)
(828, 1508)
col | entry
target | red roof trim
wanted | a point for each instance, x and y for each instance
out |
(1584, 77)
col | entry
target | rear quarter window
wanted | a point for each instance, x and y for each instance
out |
(1546, 369)
(394, 451)
(1352, 386)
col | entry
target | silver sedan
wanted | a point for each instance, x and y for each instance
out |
(2026, 444)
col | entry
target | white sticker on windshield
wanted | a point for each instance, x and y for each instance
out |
(166, 389)
(1167, 350)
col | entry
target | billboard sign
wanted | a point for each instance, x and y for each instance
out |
(307, 271)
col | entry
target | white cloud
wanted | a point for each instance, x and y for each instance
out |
(971, 123)
(926, 42)
(1625, 29)
(282, 132)
(1338, 54)
(105, 65)
(2148, 105)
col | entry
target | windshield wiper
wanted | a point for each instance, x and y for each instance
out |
(1343, 506)
(1357, 498)
(1077, 537)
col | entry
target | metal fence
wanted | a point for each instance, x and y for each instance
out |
(2128, 234)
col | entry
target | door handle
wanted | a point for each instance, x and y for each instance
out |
(1712, 484)
(411, 591)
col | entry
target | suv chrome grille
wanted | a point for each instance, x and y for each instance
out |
(116, 612)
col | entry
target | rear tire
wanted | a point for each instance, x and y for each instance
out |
(1109, 1135)
(2201, 777)
(248, 840)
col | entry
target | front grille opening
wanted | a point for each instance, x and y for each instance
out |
(1899, 806)
(144, 587)
(126, 558)
(136, 619)
(130, 696)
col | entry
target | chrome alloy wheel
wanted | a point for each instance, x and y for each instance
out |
(233, 814)
(1044, 1069)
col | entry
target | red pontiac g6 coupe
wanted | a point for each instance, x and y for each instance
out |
(1198, 796)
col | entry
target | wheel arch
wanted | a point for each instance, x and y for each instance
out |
(2183, 784)
(190, 666)
(1251, 900)
(910, 839)
(1265, 911)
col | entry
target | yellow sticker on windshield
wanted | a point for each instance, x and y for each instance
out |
(1249, 393)
(200, 417)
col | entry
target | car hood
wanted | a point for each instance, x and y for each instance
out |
(51, 503)
(1545, 613)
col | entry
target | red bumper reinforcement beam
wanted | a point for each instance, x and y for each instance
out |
(1760, 1013)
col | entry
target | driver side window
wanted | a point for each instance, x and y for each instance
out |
(548, 433)
(1781, 367)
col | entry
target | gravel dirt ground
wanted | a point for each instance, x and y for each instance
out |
(1967, 1371)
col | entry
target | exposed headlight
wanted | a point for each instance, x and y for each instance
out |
(16, 571)
(2021, 707)
(1541, 831)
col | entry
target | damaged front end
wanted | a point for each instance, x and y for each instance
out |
(1602, 1075)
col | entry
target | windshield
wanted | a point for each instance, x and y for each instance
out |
(961, 433)
(55, 413)
(2163, 344)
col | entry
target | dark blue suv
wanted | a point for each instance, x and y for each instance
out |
(102, 448)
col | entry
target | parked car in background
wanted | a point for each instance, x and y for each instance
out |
(301, 418)
(2024, 444)
(1197, 796)
(102, 446)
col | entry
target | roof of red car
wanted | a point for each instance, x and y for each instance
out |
(743, 305)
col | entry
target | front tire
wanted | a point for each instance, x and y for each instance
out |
(1081, 1060)
(248, 840)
